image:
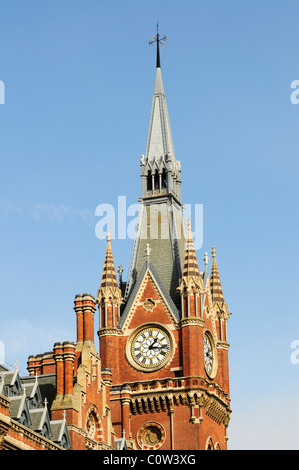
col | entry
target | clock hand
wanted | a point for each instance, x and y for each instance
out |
(152, 345)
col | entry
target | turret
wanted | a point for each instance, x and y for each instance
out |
(191, 289)
(191, 285)
(109, 300)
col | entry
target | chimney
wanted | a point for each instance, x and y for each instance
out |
(68, 359)
(89, 308)
(85, 307)
(58, 356)
(64, 355)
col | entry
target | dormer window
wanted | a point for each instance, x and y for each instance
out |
(24, 419)
(45, 431)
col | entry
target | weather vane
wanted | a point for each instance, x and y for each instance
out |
(158, 40)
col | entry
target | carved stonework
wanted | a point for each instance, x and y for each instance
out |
(151, 436)
(149, 305)
(91, 426)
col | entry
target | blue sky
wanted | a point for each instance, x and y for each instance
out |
(78, 82)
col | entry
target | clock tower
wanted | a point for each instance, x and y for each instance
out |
(163, 336)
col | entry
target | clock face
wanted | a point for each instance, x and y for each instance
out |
(208, 354)
(151, 347)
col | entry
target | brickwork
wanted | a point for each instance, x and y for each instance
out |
(193, 410)
(161, 377)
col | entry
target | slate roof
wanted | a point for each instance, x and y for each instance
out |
(60, 433)
(38, 419)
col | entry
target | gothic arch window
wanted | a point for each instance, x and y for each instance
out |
(93, 425)
(209, 445)
(45, 431)
(156, 179)
(164, 179)
(24, 420)
(149, 184)
(64, 442)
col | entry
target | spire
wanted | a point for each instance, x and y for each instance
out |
(190, 276)
(159, 136)
(109, 278)
(109, 298)
(215, 283)
(190, 267)
(160, 220)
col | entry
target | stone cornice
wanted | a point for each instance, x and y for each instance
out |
(31, 436)
(110, 330)
(165, 395)
(222, 345)
(192, 321)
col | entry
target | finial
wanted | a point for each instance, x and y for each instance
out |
(147, 250)
(124, 433)
(64, 414)
(17, 365)
(158, 41)
(108, 235)
(189, 245)
(214, 252)
(120, 270)
(46, 402)
(206, 259)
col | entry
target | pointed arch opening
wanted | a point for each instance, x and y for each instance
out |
(156, 179)
(93, 424)
(209, 444)
(164, 179)
(149, 181)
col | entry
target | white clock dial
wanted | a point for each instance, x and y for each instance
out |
(151, 347)
(208, 354)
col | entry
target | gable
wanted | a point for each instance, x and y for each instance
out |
(149, 302)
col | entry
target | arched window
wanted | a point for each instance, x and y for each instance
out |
(24, 419)
(64, 442)
(210, 445)
(156, 181)
(93, 425)
(164, 179)
(149, 181)
(45, 431)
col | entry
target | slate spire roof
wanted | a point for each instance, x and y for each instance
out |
(160, 219)
(159, 140)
